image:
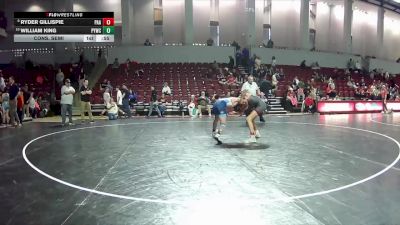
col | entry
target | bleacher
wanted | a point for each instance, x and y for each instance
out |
(340, 80)
(184, 79)
(30, 77)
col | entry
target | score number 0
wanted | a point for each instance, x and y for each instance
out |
(108, 25)
(108, 21)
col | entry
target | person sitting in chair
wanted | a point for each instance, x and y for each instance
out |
(166, 90)
(203, 102)
(112, 110)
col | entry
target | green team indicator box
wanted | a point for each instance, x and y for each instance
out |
(108, 30)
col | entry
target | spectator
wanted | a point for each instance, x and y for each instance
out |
(275, 81)
(236, 45)
(20, 106)
(162, 105)
(81, 77)
(265, 87)
(67, 98)
(315, 66)
(85, 101)
(221, 78)
(110, 87)
(119, 97)
(351, 84)
(231, 80)
(257, 63)
(231, 63)
(42, 107)
(373, 92)
(166, 90)
(203, 102)
(138, 72)
(362, 83)
(32, 106)
(3, 21)
(127, 68)
(270, 44)
(291, 99)
(106, 99)
(361, 92)
(39, 79)
(393, 91)
(192, 107)
(245, 57)
(210, 42)
(215, 67)
(27, 94)
(316, 76)
(2, 82)
(351, 65)
(115, 64)
(330, 91)
(147, 42)
(309, 103)
(331, 81)
(112, 110)
(132, 97)
(238, 57)
(387, 76)
(99, 53)
(300, 92)
(106, 96)
(60, 77)
(384, 94)
(295, 83)
(103, 84)
(5, 107)
(303, 64)
(281, 74)
(125, 101)
(273, 62)
(153, 102)
(13, 93)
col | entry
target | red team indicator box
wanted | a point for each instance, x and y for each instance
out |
(108, 21)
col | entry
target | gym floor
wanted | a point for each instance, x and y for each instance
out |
(307, 169)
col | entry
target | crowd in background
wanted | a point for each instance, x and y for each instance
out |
(300, 93)
(18, 102)
(3, 20)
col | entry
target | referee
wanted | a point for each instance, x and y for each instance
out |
(253, 89)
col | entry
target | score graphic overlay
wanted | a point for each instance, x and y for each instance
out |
(64, 26)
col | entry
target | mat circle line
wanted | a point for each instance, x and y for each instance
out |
(388, 124)
(162, 201)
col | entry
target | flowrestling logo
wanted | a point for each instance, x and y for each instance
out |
(335, 107)
(368, 106)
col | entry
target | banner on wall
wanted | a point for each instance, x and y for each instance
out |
(355, 106)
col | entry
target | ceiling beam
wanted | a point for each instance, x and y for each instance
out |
(387, 4)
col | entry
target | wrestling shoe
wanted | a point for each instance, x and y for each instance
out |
(252, 139)
(217, 136)
(258, 135)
